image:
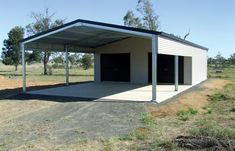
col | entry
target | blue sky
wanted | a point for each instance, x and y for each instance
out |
(211, 22)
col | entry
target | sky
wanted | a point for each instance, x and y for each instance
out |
(211, 22)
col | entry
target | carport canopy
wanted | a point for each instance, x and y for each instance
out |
(84, 36)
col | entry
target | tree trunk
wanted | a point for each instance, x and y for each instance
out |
(44, 67)
(45, 63)
(16, 67)
(46, 57)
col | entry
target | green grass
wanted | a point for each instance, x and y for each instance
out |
(209, 128)
(184, 115)
(159, 133)
(34, 72)
(157, 144)
(228, 73)
(220, 122)
(208, 109)
(137, 135)
(142, 133)
(108, 146)
(219, 97)
(148, 119)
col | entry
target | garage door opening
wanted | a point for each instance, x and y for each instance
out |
(166, 69)
(115, 67)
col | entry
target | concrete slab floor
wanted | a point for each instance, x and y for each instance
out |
(113, 91)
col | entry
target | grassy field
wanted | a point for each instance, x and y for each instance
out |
(207, 110)
(35, 74)
(228, 73)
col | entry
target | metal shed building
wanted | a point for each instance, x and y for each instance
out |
(125, 54)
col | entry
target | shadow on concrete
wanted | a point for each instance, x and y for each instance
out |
(16, 93)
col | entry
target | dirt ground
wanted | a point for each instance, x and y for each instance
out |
(12, 83)
(46, 125)
(197, 97)
(66, 123)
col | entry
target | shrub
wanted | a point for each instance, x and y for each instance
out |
(208, 109)
(147, 119)
(108, 146)
(50, 71)
(58, 66)
(86, 61)
(229, 89)
(185, 114)
(166, 144)
(192, 111)
(209, 129)
(218, 97)
(232, 109)
(141, 135)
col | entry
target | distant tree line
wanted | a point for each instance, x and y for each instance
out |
(143, 17)
(219, 62)
(75, 60)
(11, 54)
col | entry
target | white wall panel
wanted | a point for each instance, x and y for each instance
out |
(199, 56)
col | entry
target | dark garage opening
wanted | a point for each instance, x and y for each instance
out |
(115, 67)
(166, 69)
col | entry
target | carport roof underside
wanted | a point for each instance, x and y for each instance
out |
(83, 36)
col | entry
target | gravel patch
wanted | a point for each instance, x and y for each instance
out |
(66, 123)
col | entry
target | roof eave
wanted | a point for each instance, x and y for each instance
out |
(182, 40)
(144, 32)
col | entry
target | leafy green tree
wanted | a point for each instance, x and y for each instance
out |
(231, 59)
(11, 54)
(43, 22)
(147, 18)
(86, 61)
(58, 60)
(211, 61)
(74, 59)
(131, 21)
(220, 61)
(32, 57)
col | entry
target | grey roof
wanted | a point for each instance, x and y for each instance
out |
(103, 38)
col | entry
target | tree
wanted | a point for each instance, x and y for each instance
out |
(147, 17)
(86, 61)
(211, 61)
(74, 58)
(231, 59)
(11, 54)
(58, 60)
(32, 57)
(220, 61)
(131, 21)
(43, 22)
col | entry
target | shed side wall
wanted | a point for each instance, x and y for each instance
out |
(199, 57)
(138, 48)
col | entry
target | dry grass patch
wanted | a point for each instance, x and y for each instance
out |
(86, 145)
(196, 99)
(43, 144)
(12, 109)
(12, 83)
